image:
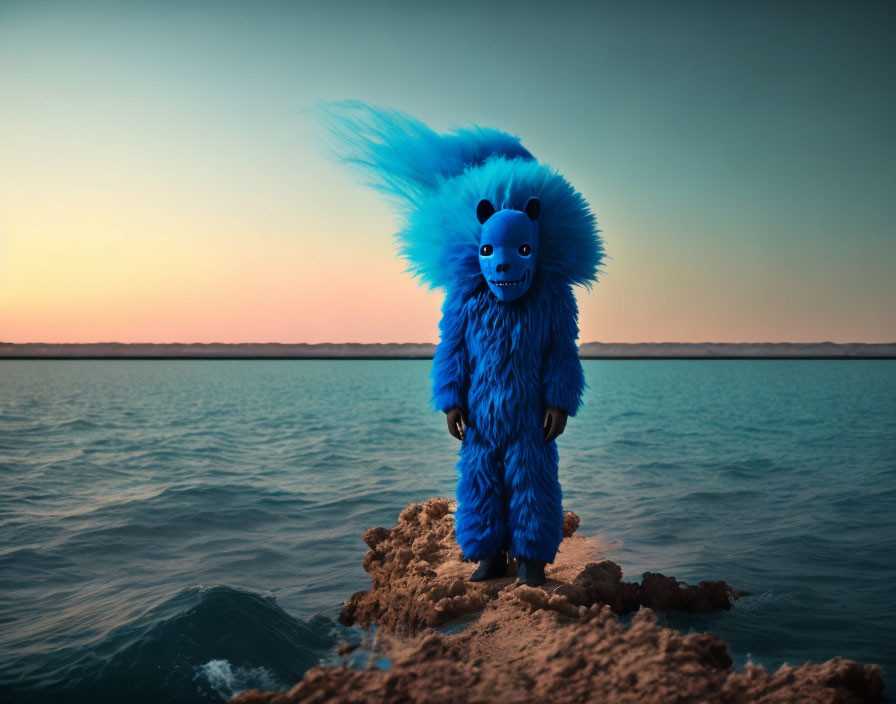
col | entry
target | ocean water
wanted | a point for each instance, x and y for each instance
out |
(182, 530)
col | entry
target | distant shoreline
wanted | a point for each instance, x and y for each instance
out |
(410, 350)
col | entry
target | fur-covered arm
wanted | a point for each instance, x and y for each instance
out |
(449, 377)
(561, 373)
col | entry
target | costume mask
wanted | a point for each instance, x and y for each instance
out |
(508, 248)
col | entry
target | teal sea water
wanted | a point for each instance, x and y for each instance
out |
(181, 530)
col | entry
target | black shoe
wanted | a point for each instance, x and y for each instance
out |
(491, 568)
(531, 572)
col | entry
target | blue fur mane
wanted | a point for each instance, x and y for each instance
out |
(435, 181)
(509, 365)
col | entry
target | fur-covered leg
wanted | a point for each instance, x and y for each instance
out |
(480, 522)
(535, 508)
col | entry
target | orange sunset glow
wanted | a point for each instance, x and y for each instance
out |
(182, 195)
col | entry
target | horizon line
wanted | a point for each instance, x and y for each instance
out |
(317, 344)
(426, 350)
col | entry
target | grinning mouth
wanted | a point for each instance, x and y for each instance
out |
(504, 284)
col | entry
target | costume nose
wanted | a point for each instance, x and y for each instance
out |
(502, 267)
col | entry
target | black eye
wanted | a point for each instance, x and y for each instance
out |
(486, 250)
(525, 250)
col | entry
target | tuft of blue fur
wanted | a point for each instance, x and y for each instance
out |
(501, 362)
(435, 181)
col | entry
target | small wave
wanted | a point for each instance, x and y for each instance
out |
(630, 442)
(625, 414)
(757, 468)
(763, 601)
(721, 496)
(42, 429)
(660, 466)
(227, 681)
(177, 653)
(762, 430)
(183, 506)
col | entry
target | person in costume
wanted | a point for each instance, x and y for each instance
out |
(506, 238)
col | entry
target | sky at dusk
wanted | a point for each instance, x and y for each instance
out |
(161, 176)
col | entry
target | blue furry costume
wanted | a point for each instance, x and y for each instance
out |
(506, 238)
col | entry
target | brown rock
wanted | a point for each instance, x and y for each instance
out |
(663, 593)
(561, 643)
(515, 653)
(419, 576)
(570, 524)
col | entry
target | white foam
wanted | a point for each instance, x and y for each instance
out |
(228, 681)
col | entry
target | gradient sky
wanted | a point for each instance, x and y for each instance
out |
(161, 180)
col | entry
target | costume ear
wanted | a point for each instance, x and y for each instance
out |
(484, 210)
(533, 208)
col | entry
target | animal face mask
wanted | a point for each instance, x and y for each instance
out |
(508, 248)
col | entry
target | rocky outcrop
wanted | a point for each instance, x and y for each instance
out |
(561, 643)
(419, 577)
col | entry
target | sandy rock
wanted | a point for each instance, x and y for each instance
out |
(570, 524)
(560, 643)
(419, 576)
(550, 653)
(668, 594)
